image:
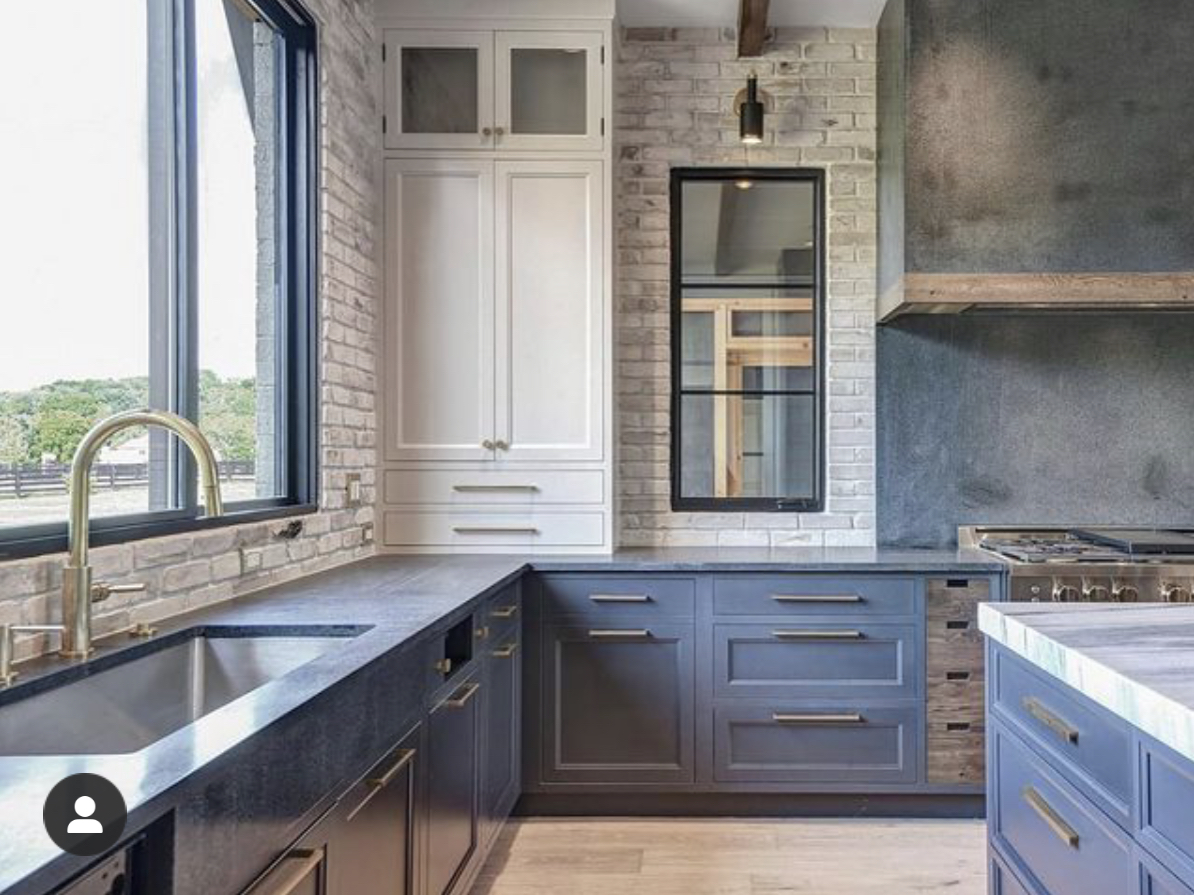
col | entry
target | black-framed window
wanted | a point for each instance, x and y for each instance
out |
(747, 299)
(159, 224)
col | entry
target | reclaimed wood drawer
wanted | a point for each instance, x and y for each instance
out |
(618, 596)
(494, 487)
(791, 742)
(780, 595)
(1167, 806)
(1056, 835)
(465, 530)
(955, 680)
(867, 660)
(1092, 747)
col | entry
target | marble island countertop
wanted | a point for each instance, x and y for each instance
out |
(1137, 661)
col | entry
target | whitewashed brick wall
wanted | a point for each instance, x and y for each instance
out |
(674, 107)
(190, 571)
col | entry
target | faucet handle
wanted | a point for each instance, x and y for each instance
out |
(101, 590)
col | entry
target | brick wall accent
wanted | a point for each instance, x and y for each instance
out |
(190, 571)
(674, 106)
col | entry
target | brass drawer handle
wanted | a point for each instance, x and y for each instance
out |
(377, 784)
(505, 611)
(817, 635)
(1054, 722)
(295, 866)
(443, 666)
(462, 697)
(620, 598)
(505, 652)
(465, 489)
(1052, 819)
(482, 632)
(829, 718)
(495, 529)
(817, 598)
(620, 634)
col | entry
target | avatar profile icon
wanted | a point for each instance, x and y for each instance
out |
(85, 823)
(84, 814)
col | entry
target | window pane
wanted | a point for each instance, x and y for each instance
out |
(439, 90)
(239, 258)
(548, 91)
(74, 223)
(748, 446)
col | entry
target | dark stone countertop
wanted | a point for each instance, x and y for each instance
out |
(399, 599)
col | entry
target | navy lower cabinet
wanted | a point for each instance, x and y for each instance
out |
(618, 702)
(1080, 801)
(453, 781)
(501, 782)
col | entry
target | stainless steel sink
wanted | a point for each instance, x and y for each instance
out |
(137, 702)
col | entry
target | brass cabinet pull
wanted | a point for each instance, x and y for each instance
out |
(619, 598)
(817, 598)
(482, 632)
(495, 529)
(295, 866)
(377, 784)
(1052, 819)
(1054, 722)
(817, 635)
(620, 634)
(828, 718)
(461, 697)
(505, 652)
(505, 611)
(469, 488)
(444, 666)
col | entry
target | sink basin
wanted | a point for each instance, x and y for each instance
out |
(135, 703)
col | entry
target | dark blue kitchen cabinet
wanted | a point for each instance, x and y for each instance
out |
(618, 702)
(501, 773)
(453, 778)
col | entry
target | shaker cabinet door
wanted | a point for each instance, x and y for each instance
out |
(439, 309)
(500, 785)
(550, 307)
(453, 774)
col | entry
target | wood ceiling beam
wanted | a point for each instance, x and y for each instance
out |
(752, 27)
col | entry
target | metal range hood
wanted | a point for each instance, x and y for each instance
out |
(1035, 157)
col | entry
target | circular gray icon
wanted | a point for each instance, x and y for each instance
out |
(84, 814)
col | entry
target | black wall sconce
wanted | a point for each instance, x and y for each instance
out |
(750, 113)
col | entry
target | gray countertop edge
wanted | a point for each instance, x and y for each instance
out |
(401, 599)
(1122, 657)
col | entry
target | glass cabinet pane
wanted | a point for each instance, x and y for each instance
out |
(439, 90)
(548, 91)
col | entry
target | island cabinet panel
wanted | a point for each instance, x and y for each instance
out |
(1156, 880)
(1050, 829)
(453, 769)
(828, 744)
(816, 660)
(1167, 806)
(1093, 747)
(955, 680)
(1002, 881)
(618, 703)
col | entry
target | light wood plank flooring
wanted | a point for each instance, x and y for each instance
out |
(736, 857)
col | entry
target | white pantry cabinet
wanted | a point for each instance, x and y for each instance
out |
(494, 90)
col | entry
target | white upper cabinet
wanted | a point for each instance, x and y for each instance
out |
(550, 300)
(486, 90)
(549, 90)
(439, 89)
(439, 316)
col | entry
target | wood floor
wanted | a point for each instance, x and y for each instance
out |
(736, 857)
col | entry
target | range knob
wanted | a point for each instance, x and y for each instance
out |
(1125, 593)
(1174, 593)
(1064, 593)
(1094, 593)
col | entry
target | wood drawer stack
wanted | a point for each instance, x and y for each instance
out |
(1081, 803)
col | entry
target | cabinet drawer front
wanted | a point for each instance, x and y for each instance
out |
(503, 613)
(1004, 881)
(812, 595)
(1167, 806)
(793, 743)
(494, 487)
(1059, 837)
(1157, 880)
(618, 597)
(465, 530)
(1094, 747)
(818, 660)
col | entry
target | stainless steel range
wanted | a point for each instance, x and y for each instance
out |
(1068, 565)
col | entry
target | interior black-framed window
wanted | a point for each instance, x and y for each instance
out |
(160, 232)
(748, 308)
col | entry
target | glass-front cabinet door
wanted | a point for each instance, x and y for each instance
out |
(549, 90)
(439, 89)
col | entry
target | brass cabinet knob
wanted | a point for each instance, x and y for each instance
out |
(486, 132)
(488, 445)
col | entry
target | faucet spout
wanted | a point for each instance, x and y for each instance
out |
(77, 591)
